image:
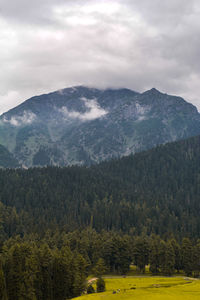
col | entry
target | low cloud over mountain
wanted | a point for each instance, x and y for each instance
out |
(82, 125)
(94, 111)
(46, 45)
(25, 119)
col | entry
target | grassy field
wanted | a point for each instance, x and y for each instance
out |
(148, 288)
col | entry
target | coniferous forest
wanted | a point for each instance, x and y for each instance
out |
(57, 225)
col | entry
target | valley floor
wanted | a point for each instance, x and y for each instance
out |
(151, 288)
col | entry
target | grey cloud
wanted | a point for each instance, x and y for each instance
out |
(30, 12)
(134, 44)
(168, 13)
(43, 12)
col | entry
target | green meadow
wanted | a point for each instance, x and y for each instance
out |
(148, 288)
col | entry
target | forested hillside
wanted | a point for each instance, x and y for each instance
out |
(56, 266)
(151, 192)
(58, 225)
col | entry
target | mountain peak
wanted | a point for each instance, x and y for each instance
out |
(153, 91)
(84, 125)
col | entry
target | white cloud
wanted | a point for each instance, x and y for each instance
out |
(94, 112)
(7, 101)
(25, 119)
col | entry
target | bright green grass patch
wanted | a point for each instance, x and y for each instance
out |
(148, 288)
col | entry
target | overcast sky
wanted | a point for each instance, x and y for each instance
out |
(46, 45)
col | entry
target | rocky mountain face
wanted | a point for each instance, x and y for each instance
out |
(7, 160)
(83, 125)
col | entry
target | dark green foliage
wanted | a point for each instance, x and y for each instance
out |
(90, 289)
(117, 254)
(63, 274)
(152, 192)
(168, 260)
(162, 256)
(141, 253)
(121, 206)
(79, 269)
(196, 259)
(154, 255)
(20, 272)
(177, 253)
(187, 256)
(100, 268)
(56, 267)
(101, 287)
(3, 292)
(32, 270)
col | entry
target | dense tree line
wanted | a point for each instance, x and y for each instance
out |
(151, 192)
(57, 225)
(31, 271)
(56, 266)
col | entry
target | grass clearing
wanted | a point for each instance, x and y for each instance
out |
(151, 288)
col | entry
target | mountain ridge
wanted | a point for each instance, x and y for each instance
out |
(81, 125)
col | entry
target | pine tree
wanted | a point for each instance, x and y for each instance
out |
(101, 286)
(44, 277)
(62, 277)
(168, 267)
(79, 269)
(187, 256)
(3, 293)
(14, 280)
(154, 256)
(100, 268)
(141, 253)
(196, 259)
(177, 252)
(162, 256)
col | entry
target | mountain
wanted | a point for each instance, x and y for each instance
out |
(6, 159)
(155, 191)
(83, 125)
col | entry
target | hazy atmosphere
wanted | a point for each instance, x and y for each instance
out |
(49, 45)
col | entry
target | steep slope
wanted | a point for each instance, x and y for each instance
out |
(6, 159)
(82, 125)
(155, 191)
